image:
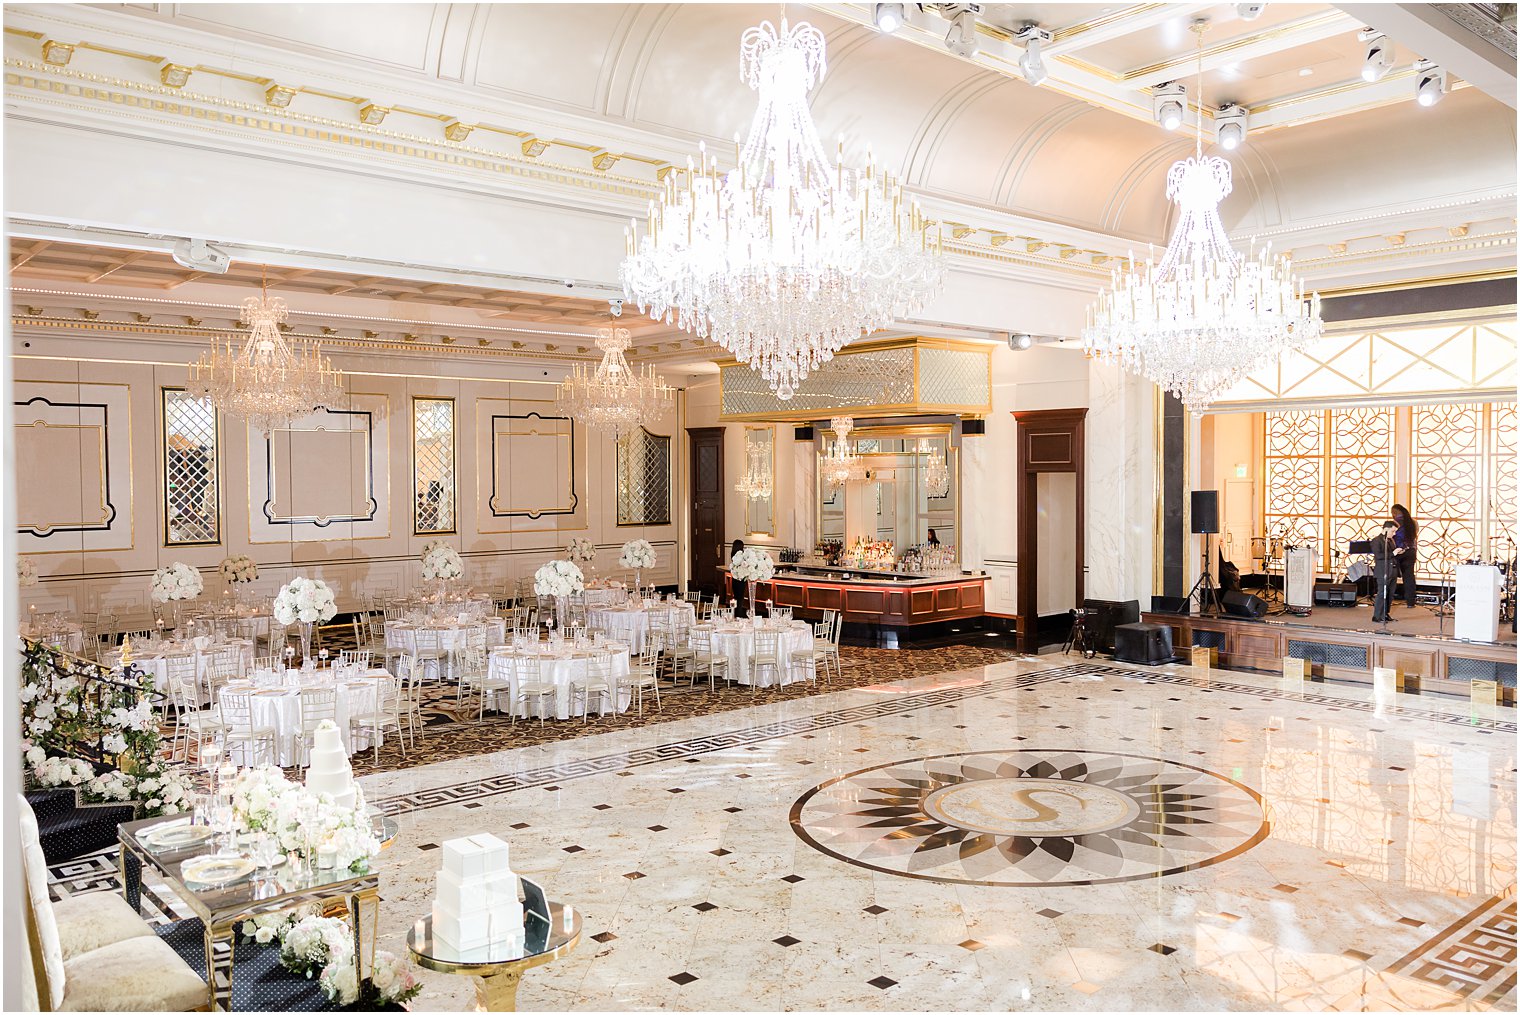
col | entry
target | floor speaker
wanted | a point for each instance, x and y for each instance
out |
(1180, 605)
(1205, 511)
(1243, 604)
(1147, 644)
(1107, 614)
(1335, 593)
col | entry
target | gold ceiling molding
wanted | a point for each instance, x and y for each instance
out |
(225, 114)
(1491, 242)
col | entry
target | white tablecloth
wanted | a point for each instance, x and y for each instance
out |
(736, 642)
(155, 660)
(629, 624)
(560, 670)
(450, 638)
(281, 708)
(597, 599)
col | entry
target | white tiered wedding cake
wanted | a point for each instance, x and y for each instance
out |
(477, 911)
(330, 771)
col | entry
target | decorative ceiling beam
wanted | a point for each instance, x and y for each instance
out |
(1289, 35)
(1118, 24)
(136, 255)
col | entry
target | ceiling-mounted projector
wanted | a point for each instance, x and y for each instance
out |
(198, 255)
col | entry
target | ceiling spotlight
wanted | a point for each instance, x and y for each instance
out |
(1230, 123)
(961, 39)
(198, 255)
(1031, 63)
(889, 17)
(1249, 12)
(1168, 102)
(1430, 83)
(1019, 342)
(1379, 59)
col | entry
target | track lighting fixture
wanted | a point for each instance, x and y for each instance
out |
(1031, 63)
(1019, 342)
(1379, 60)
(961, 39)
(1168, 103)
(1430, 84)
(889, 17)
(1230, 125)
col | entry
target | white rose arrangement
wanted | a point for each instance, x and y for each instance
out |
(26, 571)
(270, 928)
(637, 554)
(176, 583)
(581, 549)
(307, 600)
(314, 942)
(442, 563)
(238, 569)
(752, 565)
(263, 800)
(392, 983)
(558, 578)
(319, 946)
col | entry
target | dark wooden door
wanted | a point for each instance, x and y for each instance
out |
(706, 507)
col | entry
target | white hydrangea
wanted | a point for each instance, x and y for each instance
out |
(558, 578)
(442, 563)
(176, 583)
(238, 569)
(752, 564)
(581, 549)
(307, 600)
(637, 554)
(316, 941)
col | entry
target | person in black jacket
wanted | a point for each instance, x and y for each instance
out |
(1385, 571)
(1405, 539)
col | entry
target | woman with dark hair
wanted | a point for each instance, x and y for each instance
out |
(740, 589)
(1406, 542)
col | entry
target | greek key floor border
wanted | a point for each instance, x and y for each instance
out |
(479, 789)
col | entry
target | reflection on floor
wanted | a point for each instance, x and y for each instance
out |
(722, 861)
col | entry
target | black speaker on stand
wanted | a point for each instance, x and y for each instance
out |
(1205, 518)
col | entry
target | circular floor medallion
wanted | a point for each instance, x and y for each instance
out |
(1027, 818)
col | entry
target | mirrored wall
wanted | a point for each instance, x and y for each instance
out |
(758, 481)
(909, 494)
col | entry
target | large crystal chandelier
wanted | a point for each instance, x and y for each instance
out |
(785, 258)
(756, 483)
(1205, 316)
(614, 397)
(936, 472)
(839, 464)
(269, 382)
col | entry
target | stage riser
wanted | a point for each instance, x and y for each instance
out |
(1344, 655)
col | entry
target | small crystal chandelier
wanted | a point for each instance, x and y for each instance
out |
(936, 472)
(784, 259)
(1205, 316)
(839, 464)
(269, 382)
(614, 397)
(756, 484)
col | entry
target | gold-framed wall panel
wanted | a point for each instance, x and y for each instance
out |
(417, 529)
(581, 515)
(131, 508)
(216, 471)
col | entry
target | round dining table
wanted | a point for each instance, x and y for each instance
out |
(451, 634)
(735, 641)
(153, 657)
(630, 623)
(65, 635)
(559, 666)
(276, 702)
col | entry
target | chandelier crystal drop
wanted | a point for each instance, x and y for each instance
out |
(1204, 316)
(269, 382)
(614, 397)
(936, 472)
(839, 464)
(756, 483)
(785, 258)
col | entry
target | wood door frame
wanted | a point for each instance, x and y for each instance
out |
(1048, 440)
(698, 437)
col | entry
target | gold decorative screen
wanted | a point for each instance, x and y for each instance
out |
(192, 499)
(435, 496)
(643, 479)
(1331, 476)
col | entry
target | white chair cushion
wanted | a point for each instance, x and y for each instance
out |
(94, 920)
(139, 974)
(42, 908)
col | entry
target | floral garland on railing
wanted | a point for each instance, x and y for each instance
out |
(71, 706)
(322, 946)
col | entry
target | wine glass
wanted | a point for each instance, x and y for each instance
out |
(221, 821)
(265, 849)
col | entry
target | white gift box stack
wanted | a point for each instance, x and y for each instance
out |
(476, 903)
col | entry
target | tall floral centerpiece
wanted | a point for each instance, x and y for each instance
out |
(442, 563)
(176, 583)
(305, 601)
(238, 571)
(637, 554)
(581, 551)
(559, 579)
(752, 565)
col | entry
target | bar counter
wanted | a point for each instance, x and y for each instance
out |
(879, 607)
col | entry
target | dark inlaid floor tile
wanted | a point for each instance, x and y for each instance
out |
(785, 940)
(875, 910)
(1161, 949)
(882, 982)
(682, 979)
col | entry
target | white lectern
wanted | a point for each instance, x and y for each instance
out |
(1477, 602)
(1298, 579)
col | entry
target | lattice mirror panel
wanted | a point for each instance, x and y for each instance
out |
(435, 497)
(643, 479)
(192, 500)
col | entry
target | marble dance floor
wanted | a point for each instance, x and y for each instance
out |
(1034, 834)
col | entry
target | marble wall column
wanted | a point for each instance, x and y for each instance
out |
(804, 514)
(1123, 468)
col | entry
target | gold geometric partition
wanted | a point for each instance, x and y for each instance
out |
(643, 479)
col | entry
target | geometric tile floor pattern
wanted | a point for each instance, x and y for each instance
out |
(1386, 879)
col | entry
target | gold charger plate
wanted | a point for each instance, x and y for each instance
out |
(217, 870)
(176, 836)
